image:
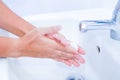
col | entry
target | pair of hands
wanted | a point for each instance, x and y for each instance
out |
(48, 43)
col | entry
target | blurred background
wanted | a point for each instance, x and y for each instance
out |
(32, 7)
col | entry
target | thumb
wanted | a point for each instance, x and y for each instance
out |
(41, 31)
(50, 30)
(31, 35)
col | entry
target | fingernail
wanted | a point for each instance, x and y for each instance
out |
(82, 61)
(81, 51)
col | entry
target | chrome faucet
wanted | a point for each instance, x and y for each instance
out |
(113, 25)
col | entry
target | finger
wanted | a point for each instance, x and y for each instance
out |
(51, 37)
(50, 30)
(31, 35)
(63, 55)
(67, 49)
(65, 42)
(75, 63)
(54, 29)
(80, 59)
(60, 39)
(70, 49)
(67, 62)
(80, 50)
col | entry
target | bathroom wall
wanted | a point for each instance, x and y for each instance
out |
(30, 7)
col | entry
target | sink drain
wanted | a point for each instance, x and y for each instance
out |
(71, 77)
(80, 78)
(76, 78)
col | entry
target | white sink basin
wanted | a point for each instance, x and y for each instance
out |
(103, 64)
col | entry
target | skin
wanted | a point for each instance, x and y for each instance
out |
(35, 42)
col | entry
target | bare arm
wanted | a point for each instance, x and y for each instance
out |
(7, 46)
(13, 23)
(12, 47)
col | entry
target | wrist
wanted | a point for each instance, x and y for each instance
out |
(15, 48)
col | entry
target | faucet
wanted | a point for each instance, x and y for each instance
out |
(113, 25)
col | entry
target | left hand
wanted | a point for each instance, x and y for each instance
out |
(62, 40)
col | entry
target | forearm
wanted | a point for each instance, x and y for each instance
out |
(13, 23)
(9, 47)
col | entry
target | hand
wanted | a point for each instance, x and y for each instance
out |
(36, 44)
(75, 61)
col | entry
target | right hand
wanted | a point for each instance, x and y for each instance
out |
(62, 40)
(36, 44)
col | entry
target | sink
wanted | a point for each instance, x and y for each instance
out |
(105, 62)
(102, 53)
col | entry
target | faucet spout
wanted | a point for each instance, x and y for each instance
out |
(113, 25)
(95, 25)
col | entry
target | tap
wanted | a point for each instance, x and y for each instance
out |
(113, 25)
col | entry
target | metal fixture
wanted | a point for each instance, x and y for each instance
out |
(113, 25)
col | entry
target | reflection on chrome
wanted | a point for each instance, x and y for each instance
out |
(113, 25)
